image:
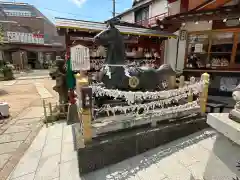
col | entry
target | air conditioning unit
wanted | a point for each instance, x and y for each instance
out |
(4, 109)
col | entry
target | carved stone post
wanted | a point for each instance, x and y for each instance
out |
(86, 107)
(190, 93)
(61, 84)
(172, 82)
(181, 81)
(204, 96)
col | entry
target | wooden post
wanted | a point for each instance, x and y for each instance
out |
(190, 93)
(190, 96)
(86, 113)
(204, 96)
(181, 81)
(44, 111)
(51, 112)
(87, 125)
(172, 82)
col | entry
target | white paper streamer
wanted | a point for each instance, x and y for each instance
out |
(132, 97)
(146, 107)
(184, 109)
(177, 109)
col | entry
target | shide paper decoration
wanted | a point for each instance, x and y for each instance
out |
(177, 109)
(170, 111)
(132, 97)
(147, 108)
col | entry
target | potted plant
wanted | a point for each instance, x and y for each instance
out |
(7, 72)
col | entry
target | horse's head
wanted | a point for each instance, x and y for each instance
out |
(107, 36)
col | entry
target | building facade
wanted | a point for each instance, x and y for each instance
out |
(29, 38)
(149, 13)
(161, 14)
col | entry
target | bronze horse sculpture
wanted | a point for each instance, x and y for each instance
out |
(117, 75)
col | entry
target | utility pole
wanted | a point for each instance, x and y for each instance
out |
(114, 8)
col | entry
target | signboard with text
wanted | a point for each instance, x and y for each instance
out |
(28, 38)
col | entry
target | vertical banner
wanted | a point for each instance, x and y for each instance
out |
(80, 58)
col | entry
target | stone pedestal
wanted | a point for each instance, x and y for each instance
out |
(235, 115)
(223, 124)
(116, 147)
(225, 152)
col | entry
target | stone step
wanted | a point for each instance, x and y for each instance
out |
(224, 125)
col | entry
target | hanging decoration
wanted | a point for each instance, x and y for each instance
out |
(131, 97)
(176, 109)
(145, 107)
(183, 109)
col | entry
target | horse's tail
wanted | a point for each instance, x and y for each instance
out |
(166, 70)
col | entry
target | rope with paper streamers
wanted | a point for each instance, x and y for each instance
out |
(170, 111)
(132, 97)
(136, 107)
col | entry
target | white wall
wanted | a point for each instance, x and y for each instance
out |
(129, 17)
(162, 6)
(174, 8)
(158, 7)
(171, 51)
(172, 57)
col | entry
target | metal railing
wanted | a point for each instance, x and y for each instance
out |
(53, 111)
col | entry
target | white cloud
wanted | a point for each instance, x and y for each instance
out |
(79, 3)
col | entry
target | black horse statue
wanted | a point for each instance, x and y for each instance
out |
(117, 75)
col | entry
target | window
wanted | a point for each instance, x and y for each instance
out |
(221, 49)
(142, 14)
(218, 55)
(198, 45)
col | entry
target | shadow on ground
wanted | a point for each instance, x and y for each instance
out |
(3, 92)
(154, 156)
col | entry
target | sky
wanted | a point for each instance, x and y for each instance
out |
(92, 10)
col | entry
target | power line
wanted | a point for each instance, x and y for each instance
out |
(66, 12)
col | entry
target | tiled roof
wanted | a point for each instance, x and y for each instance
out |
(98, 26)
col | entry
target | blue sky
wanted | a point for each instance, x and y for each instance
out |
(93, 10)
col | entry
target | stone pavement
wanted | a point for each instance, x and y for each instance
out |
(25, 121)
(205, 154)
(32, 74)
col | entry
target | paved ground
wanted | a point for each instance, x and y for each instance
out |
(204, 154)
(51, 156)
(33, 73)
(25, 121)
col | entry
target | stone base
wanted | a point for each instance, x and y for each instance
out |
(224, 125)
(235, 115)
(72, 114)
(118, 146)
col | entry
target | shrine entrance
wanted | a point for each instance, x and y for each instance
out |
(32, 59)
